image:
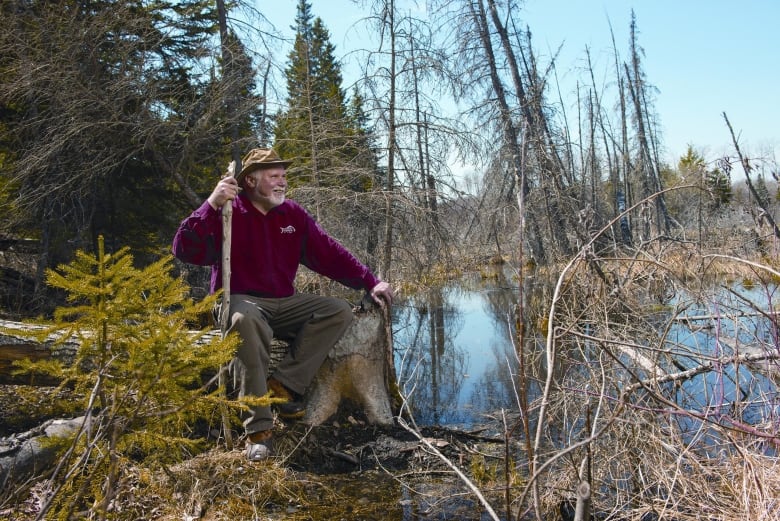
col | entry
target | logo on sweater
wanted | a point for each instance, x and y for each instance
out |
(288, 229)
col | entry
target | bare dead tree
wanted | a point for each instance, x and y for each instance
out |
(747, 169)
(650, 180)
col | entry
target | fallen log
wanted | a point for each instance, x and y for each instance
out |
(16, 344)
(355, 369)
(32, 452)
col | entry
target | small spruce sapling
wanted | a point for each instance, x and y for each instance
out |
(137, 374)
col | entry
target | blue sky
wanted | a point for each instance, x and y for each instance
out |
(704, 57)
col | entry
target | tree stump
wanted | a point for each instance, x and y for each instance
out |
(355, 370)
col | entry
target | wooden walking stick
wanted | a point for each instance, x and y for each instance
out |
(227, 209)
(224, 316)
(227, 222)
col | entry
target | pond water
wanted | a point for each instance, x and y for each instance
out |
(456, 362)
(739, 321)
(455, 354)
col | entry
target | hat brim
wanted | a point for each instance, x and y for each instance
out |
(251, 167)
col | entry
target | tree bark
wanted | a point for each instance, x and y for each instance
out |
(18, 346)
(32, 452)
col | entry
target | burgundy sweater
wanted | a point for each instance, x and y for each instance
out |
(266, 250)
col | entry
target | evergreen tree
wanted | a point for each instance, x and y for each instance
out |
(762, 191)
(718, 184)
(369, 177)
(136, 378)
(363, 147)
(314, 131)
(112, 117)
(329, 138)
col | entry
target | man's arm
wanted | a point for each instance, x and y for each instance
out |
(328, 257)
(199, 237)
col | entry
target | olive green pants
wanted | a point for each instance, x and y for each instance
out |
(312, 325)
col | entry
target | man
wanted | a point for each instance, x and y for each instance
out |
(270, 237)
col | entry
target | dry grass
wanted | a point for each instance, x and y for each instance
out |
(217, 485)
(687, 449)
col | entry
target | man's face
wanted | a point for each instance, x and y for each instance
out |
(268, 186)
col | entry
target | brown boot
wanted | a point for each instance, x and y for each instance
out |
(259, 445)
(291, 409)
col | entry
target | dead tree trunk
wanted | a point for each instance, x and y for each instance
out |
(32, 452)
(355, 370)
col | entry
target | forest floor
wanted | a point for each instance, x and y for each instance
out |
(346, 469)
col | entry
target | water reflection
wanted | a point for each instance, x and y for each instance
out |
(727, 394)
(456, 360)
(455, 353)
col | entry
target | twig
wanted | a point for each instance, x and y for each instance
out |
(415, 431)
(454, 467)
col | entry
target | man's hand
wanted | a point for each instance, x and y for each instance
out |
(226, 190)
(382, 294)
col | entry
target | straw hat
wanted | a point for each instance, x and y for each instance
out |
(258, 158)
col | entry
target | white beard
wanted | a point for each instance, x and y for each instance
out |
(275, 199)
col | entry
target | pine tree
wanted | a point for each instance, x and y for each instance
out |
(120, 108)
(363, 147)
(718, 184)
(368, 177)
(762, 191)
(314, 131)
(137, 373)
(328, 137)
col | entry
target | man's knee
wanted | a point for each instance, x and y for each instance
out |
(240, 308)
(342, 313)
(245, 313)
(345, 310)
